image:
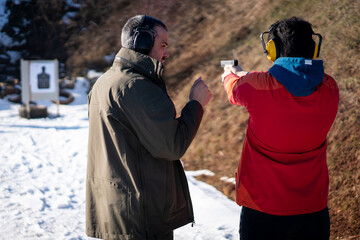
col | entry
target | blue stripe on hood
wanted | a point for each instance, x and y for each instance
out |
(299, 76)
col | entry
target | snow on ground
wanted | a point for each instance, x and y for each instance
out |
(42, 179)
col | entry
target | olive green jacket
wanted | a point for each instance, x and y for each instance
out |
(136, 187)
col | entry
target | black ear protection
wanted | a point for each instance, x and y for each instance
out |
(144, 37)
(271, 49)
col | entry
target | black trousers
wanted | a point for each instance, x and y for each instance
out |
(255, 225)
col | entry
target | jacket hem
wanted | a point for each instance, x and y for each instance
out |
(111, 236)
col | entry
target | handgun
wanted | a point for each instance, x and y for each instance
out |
(233, 62)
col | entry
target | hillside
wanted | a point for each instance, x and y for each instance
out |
(201, 33)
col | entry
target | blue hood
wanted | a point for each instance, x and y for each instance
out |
(299, 76)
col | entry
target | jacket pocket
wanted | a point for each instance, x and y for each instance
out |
(120, 197)
(112, 203)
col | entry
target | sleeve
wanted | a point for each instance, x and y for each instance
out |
(153, 117)
(239, 89)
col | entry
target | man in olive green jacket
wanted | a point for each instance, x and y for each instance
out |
(136, 187)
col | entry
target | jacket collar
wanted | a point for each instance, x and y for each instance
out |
(140, 63)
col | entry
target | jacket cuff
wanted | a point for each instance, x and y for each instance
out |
(197, 106)
(227, 77)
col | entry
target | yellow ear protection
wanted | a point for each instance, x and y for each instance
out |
(271, 49)
(144, 37)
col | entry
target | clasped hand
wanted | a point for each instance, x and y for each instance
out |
(200, 92)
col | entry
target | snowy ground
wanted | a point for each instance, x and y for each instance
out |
(42, 179)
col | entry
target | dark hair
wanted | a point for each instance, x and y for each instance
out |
(293, 37)
(135, 22)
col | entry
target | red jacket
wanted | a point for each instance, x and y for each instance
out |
(283, 169)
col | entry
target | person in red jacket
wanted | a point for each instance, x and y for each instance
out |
(282, 179)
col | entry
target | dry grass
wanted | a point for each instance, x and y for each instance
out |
(201, 33)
